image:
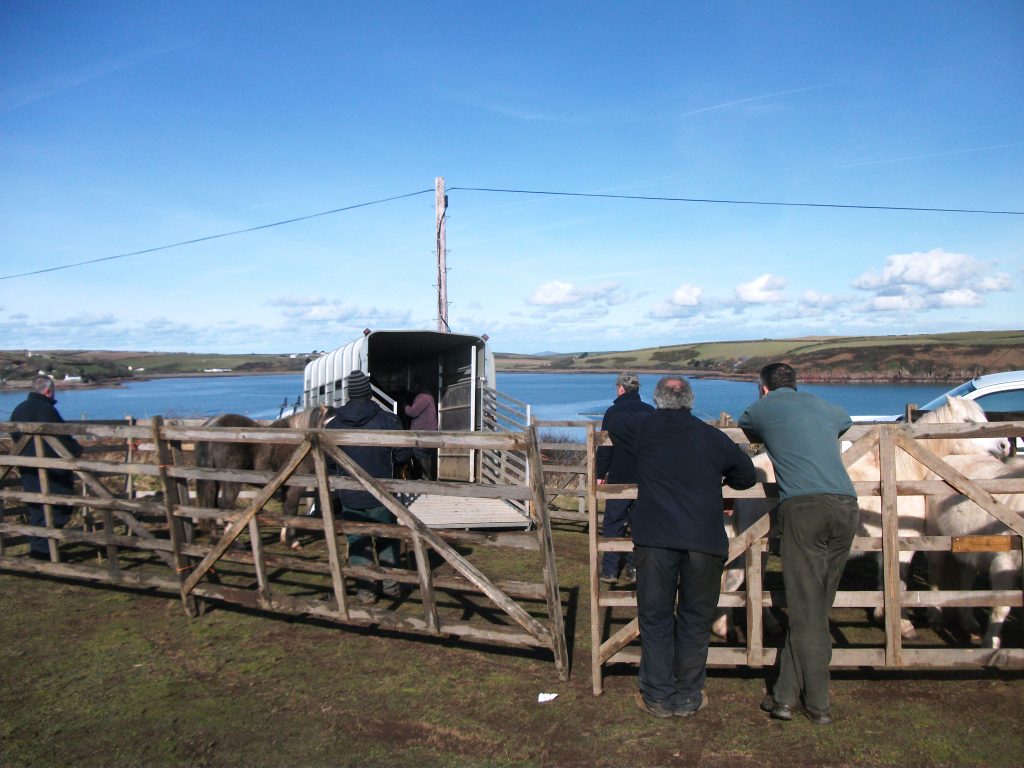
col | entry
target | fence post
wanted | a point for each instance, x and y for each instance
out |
(536, 479)
(44, 488)
(891, 597)
(755, 602)
(162, 455)
(593, 572)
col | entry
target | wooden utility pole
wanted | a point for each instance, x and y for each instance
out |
(440, 206)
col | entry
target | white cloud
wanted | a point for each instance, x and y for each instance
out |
(687, 295)
(554, 293)
(327, 311)
(818, 300)
(935, 279)
(934, 271)
(685, 301)
(766, 289)
(962, 297)
(87, 320)
(557, 293)
(903, 302)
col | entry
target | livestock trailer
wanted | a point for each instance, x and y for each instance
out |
(456, 368)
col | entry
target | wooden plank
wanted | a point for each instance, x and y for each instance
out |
(593, 548)
(559, 647)
(457, 561)
(264, 599)
(426, 581)
(438, 511)
(44, 486)
(330, 535)
(754, 603)
(980, 544)
(239, 525)
(891, 587)
(179, 562)
(965, 486)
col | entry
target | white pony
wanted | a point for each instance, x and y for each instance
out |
(745, 513)
(956, 515)
(912, 510)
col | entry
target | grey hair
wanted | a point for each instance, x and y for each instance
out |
(673, 393)
(42, 383)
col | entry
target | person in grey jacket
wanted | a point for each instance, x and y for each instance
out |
(818, 518)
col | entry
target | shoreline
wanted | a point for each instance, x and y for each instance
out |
(751, 377)
(23, 385)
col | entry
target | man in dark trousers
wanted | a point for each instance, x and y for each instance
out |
(680, 542)
(818, 518)
(360, 412)
(618, 467)
(40, 406)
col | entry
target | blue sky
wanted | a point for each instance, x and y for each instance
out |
(127, 126)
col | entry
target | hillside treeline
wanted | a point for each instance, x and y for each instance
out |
(942, 357)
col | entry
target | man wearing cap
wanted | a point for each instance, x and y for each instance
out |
(360, 412)
(618, 467)
(680, 542)
(40, 406)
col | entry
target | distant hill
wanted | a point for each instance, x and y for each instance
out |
(925, 357)
(17, 367)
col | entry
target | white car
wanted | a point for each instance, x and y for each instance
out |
(996, 393)
(1000, 395)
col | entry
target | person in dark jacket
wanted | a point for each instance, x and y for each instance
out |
(680, 542)
(360, 412)
(41, 407)
(422, 412)
(618, 467)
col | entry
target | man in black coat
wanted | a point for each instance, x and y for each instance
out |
(360, 412)
(618, 467)
(680, 542)
(40, 406)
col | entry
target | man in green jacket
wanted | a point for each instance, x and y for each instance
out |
(818, 518)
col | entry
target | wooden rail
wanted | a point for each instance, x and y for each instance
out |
(614, 646)
(122, 537)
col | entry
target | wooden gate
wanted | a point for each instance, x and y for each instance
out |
(147, 541)
(614, 646)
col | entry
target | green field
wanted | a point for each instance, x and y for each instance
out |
(927, 357)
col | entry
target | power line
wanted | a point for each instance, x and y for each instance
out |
(549, 193)
(215, 237)
(733, 202)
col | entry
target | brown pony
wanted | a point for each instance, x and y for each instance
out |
(271, 457)
(210, 455)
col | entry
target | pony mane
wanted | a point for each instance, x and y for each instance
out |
(955, 410)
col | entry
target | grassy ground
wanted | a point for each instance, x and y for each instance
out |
(100, 677)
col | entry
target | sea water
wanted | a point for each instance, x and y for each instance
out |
(551, 396)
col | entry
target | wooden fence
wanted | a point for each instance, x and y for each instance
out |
(123, 537)
(611, 642)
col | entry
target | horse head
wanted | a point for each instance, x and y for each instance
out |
(957, 410)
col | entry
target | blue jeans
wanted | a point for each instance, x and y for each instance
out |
(361, 548)
(616, 515)
(37, 517)
(677, 595)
